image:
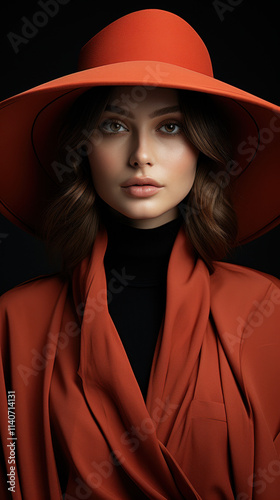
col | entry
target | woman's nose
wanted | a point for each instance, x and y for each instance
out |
(141, 151)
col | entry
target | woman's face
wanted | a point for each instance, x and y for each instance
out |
(142, 164)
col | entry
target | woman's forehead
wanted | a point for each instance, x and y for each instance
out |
(134, 97)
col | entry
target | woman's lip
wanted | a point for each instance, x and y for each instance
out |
(141, 191)
(141, 181)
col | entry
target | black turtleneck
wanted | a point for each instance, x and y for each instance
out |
(136, 262)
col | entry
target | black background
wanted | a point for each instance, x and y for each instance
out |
(242, 38)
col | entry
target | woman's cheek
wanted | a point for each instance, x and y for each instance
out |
(180, 153)
(101, 162)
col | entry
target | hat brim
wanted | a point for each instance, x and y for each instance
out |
(29, 123)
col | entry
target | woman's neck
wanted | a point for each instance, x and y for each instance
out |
(149, 223)
(143, 253)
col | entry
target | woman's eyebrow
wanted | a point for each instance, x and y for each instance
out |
(119, 111)
(164, 111)
(157, 112)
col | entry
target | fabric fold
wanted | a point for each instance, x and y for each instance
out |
(210, 424)
(114, 396)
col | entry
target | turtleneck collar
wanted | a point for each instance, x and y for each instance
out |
(144, 253)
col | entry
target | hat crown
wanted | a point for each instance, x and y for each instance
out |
(147, 35)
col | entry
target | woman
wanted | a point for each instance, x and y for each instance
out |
(147, 369)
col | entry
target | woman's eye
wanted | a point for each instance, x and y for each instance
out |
(112, 127)
(171, 128)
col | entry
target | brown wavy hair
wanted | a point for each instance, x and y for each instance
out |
(72, 220)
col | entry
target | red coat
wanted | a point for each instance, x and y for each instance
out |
(209, 427)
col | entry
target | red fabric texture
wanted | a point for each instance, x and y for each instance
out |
(209, 428)
(119, 42)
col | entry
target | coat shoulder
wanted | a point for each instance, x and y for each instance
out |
(246, 304)
(40, 292)
(235, 279)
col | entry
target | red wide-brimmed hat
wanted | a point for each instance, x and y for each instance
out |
(146, 48)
